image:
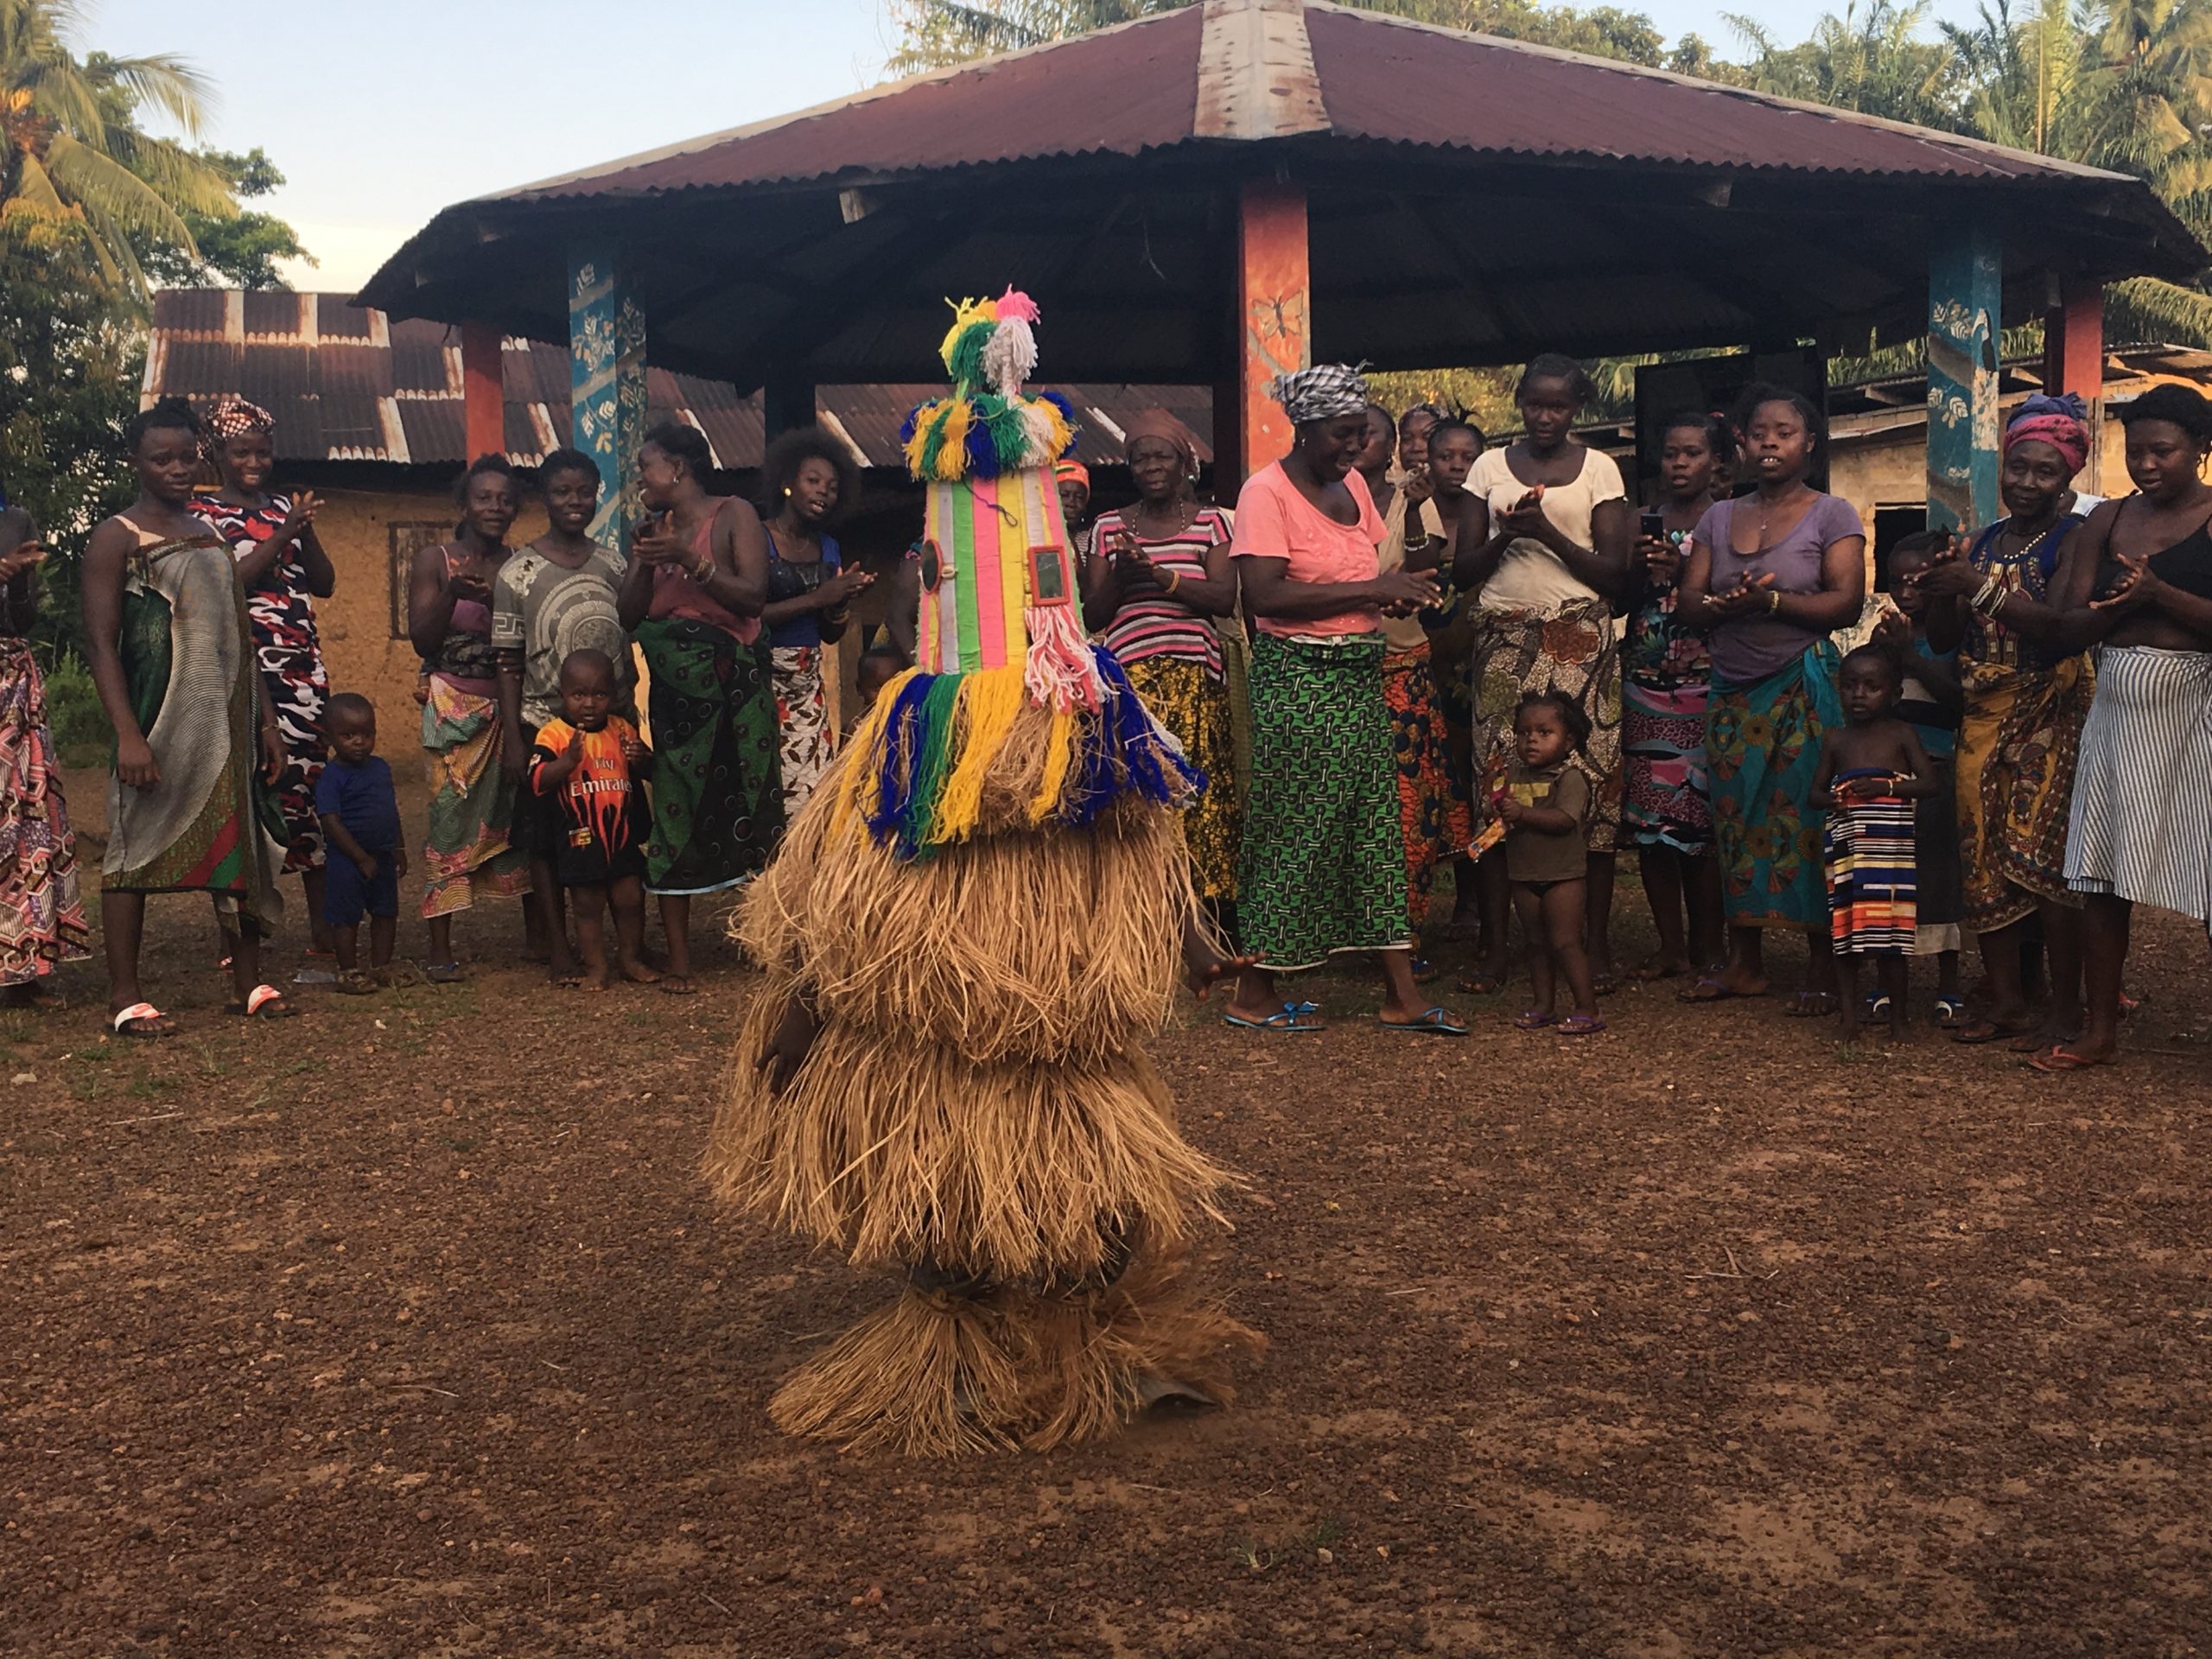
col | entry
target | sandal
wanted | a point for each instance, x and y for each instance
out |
(1810, 1005)
(262, 1002)
(2059, 1059)
(1424, 971)
(442, 973)
(1429, 1022)
(1605, 984)
(1533, 1019)
(1286, 1017)
(1711, 987)
(1975, 1033)
(1878, 1005)
(352, 982)
(677, 985)
(1652, 968)
(141, 1020)
(1482, 983)
(1950, 1011)
(1581, 1024)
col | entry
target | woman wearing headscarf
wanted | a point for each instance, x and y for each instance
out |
(1157, 577)
(2026, 698)
(1072, 478)
(284, 571)
(1324, 868)
(1542, 551)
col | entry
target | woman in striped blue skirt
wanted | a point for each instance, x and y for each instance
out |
(2141, 830)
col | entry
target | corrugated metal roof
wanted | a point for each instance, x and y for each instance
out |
(345, 397)
(1101, 172)
(1280, 69)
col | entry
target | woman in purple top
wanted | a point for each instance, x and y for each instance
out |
(1770, 575)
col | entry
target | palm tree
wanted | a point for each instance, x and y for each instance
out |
(72, 160)
(935, 34)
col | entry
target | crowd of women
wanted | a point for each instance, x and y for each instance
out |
(1439, 631)
(1691, 651)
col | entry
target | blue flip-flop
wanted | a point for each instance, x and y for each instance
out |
(1289, 1017)
(1430, 1022)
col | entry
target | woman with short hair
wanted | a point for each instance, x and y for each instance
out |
(1770, 575)
(1543, 552)
(2141, 593)
(808, 482)
(692, 599)
(1156, 580)
(472, 794)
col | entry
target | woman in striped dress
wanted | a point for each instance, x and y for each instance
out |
(2141, 833)
(1157, 575)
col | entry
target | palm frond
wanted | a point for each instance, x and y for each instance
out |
(167, 82)
(111, 192)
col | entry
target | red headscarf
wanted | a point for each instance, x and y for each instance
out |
(2056, 422)
(1159, 423)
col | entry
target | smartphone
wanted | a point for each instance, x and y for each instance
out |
(1652, 524)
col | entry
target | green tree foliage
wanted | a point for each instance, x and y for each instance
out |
(240, 249)
(73, 158)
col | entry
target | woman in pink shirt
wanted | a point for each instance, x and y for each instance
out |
(1323, 868)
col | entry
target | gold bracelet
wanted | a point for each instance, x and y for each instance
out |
(1174, 582)
(1773, 601)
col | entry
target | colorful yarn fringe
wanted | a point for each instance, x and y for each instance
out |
(934, 741)
(987, 428)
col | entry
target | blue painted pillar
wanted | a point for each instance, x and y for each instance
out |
(1964, 311)
(606, 348)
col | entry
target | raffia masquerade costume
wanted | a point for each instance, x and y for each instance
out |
(983, 906)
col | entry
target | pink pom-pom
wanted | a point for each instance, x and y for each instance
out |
(1013, 304)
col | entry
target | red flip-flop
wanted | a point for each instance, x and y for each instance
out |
(2058, 1059)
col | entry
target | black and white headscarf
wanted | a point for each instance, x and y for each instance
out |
(1326, 392)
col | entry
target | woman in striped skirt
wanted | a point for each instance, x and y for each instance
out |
(1155, 578)
(2141, 831)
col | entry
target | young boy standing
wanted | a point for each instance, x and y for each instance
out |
(587, 763)
(359, 814)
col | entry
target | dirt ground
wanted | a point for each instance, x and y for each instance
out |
(406, 1329)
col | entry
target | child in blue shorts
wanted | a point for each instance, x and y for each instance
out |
(360, 819)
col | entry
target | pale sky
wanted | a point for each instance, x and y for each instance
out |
(381, 114)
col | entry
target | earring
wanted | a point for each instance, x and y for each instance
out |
(787, 491)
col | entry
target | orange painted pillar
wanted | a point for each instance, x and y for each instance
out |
(483, 384)
(2073, 361)
(1274, 293)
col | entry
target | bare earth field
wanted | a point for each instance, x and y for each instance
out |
(406, 1329)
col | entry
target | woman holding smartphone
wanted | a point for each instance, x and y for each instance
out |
(1666, 682)
(692, 598)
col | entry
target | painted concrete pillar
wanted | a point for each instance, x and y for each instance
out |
(484, 391)
(606, 396)
(1965, 310)
(1274, 293)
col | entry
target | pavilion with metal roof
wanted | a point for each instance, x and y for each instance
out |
(1212, 195)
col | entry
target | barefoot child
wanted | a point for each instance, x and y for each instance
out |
(1545, 810)
(1932, 703)
(1872, 769)
(590, 761)
(359, 814)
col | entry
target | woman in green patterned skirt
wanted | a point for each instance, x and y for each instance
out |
(1324, 865)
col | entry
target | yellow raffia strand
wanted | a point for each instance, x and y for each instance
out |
(1059, 760)
(952, 457)
(914, 445)
(989, 701)
(965, 313)
(866, 746)
(1062, 437)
